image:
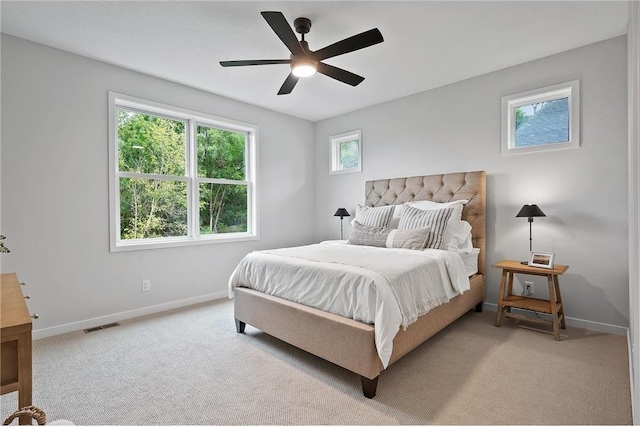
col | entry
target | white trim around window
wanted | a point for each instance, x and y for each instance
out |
(191, 119)
(347, 161)
(530, 138)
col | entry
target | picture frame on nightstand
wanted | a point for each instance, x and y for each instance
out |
(541, 259)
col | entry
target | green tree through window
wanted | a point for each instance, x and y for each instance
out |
(221, 155)
(349, 156)
(148, 146)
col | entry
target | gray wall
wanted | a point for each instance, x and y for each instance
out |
(54, 177)
(55, 191)
(457, 128)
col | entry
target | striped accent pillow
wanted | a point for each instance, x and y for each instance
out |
(368, 236)
(389, 237)
(374, 217)
(457, 206)
(436, 219)
(415, 238)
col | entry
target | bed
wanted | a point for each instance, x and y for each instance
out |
(349, 343)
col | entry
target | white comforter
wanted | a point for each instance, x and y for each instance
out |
(388, 287)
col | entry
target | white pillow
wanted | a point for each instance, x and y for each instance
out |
(374, 217)
(457, 206)
(457, 237)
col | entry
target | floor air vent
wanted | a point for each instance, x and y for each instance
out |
(97, 328)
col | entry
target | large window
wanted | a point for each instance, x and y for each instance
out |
(178, 177)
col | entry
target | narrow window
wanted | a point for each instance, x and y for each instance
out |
(152, 177)
(346, 152)
(222, 180)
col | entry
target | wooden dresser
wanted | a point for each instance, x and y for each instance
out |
(15, 336)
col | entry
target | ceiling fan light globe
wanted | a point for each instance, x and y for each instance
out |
(303, 70)
(303, 67)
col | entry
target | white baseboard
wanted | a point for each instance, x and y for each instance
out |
(631, 382)
(576, 323)
(103, 320)
(97, 321)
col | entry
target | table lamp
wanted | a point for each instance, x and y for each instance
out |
(341, 212)
(530, 211)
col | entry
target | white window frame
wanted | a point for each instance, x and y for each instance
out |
(192, 120)
(336, 163)
(510, 103)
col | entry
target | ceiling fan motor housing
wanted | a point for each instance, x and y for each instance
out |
(302, 25)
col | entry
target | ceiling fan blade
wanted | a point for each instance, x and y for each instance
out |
(359, 41)
(339, 74)
(288, 85)
(254, 62)
(281, 27)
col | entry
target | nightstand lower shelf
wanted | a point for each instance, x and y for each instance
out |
(531, 304)
(527, 303)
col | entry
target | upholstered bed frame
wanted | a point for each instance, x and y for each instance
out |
(349, 343)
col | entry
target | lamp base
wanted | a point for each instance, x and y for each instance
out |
(524, 262)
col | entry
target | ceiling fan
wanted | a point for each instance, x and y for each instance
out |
(305, 62)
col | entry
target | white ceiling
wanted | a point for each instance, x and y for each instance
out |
(427, 43)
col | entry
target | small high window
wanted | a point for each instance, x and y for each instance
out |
(541, 119)
(346, 152)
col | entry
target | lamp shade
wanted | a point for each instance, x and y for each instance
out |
(341, 212)
(530, 211)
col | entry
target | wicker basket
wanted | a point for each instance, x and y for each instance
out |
(32, 411)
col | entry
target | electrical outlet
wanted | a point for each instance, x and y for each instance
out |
(528, 288)
(146, 285)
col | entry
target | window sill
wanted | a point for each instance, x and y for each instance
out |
(138, 245)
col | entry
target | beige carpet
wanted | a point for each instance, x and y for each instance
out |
(189, 366)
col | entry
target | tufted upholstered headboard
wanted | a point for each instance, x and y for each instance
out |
(439, 188)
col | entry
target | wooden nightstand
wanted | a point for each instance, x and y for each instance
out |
(552, 306)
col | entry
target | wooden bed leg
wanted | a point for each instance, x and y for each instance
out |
(240, 326)
(369, 387)
(479, 307)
